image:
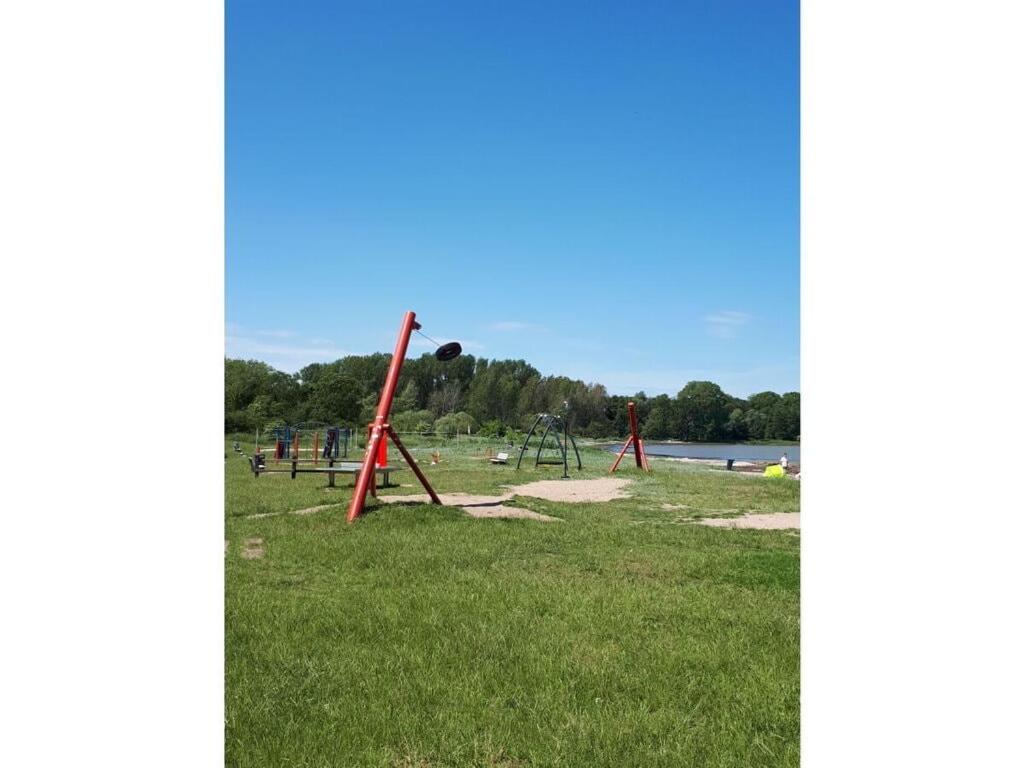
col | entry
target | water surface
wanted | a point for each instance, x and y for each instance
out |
(738, 451)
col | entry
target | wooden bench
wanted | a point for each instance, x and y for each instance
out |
(501, 458)
(259, 467)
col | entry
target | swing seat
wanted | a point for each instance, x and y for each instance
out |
(553, 462)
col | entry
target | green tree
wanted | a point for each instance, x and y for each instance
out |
(413, 421)
(702, 410)
(760, 416)
(334, 399)
(786, 417)
(736, 426)
(455, 423)
(659, 424)
(408, 399)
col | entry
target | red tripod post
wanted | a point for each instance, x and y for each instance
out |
(634, 439)
(381, 430)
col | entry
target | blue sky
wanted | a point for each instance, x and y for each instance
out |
(607, 190)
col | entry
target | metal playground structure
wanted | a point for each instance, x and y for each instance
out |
(323, 442)
(557, 427)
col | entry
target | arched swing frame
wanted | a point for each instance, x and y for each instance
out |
(553, 424)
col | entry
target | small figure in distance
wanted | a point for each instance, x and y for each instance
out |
(784, 461)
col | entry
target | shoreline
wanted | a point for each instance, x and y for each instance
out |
(769, 443)
(742, 466)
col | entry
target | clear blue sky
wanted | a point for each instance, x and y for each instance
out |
(607, 190)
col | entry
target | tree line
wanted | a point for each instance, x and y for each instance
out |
(491, 397)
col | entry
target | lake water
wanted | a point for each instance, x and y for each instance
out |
(738, 451)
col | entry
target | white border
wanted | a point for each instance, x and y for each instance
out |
(112, 244)
(911, 184)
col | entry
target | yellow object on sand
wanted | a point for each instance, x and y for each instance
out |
(774, 470)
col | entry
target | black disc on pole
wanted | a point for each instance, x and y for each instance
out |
(448, 351)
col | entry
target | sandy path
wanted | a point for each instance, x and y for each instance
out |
(475, 505)
(766, 522)
(575, 491)
(500, 510)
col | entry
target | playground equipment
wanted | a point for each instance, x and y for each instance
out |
(635, 440)
(333, 441)
(381, 429)
(553, 425)
(288, 442)
(258, 465)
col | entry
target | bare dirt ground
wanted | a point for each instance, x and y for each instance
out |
(571, 491)
(252, 549)
(777, 521)
(500, 510)
(475, 505)
(575, 491)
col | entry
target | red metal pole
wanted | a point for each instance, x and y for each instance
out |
(638, 450)
(634, 439)
(387, 395)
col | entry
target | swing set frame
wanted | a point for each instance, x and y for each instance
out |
(552, 421)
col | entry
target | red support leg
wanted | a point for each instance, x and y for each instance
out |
(643, 453)
(621, 454)
(639, 454)
(412, 464)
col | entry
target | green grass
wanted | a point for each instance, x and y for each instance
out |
(418, 636)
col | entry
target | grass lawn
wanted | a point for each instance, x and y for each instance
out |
(418, 636)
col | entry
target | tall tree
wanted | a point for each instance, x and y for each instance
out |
(703, 409)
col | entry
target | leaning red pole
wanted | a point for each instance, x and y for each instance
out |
(634, 439)
(380, 426)
(622, 453)
(634, 432)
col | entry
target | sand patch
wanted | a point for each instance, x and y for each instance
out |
(769, 522)
(474, 505)
(448, 499)
(575, 491)
(252, 549)
(500, 510)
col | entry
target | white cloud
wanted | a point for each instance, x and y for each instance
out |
(273, 348)
(725, 324)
